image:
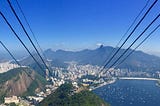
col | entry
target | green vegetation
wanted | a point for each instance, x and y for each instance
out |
(9, 75)
(11, 104)
(64, 96)
(2, 95)
(35, 67)
(38, 82)
(31, 90)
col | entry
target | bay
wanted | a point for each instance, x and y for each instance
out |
(130, 93)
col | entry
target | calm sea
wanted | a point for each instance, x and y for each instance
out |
(130, 93)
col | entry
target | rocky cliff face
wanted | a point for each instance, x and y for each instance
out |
(20, 81)
(19, 84)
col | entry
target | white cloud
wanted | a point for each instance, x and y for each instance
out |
(99, 44)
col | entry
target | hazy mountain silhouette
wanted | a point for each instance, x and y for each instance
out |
(138, 61)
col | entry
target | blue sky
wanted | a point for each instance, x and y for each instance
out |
(77, 24)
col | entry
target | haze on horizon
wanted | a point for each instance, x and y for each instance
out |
(76, 25)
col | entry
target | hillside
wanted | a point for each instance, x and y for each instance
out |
(20, 82)
(64, 97)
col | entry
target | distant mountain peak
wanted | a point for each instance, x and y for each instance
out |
(49, 49)
(101, 46)
(60, 50)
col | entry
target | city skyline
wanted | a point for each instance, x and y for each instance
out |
(76, 25)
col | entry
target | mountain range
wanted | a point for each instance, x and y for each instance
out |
(138, 61)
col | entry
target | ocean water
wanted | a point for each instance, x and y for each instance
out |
(130, 93)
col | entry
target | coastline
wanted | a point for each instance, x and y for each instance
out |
(105, 83)
(126, 78)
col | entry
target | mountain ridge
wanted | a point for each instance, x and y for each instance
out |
(138, 61)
